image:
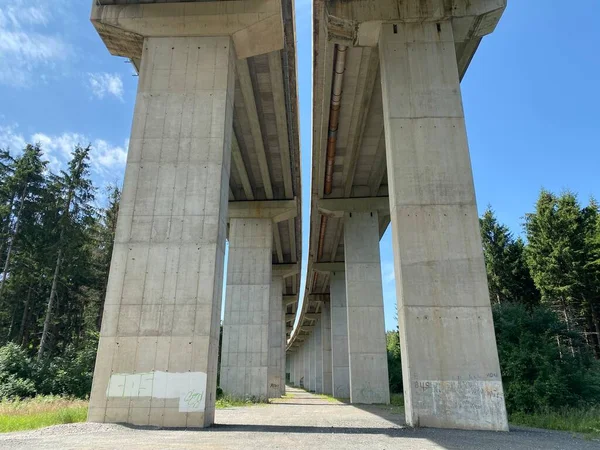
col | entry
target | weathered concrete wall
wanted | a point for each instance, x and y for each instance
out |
(366, 326)
(339, 337)
(157, 357)
(450, 363)
(245, 349)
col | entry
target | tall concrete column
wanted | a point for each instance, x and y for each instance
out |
(291, 359)
(285, 368)
(299, 376)
(450, 363)
(318, 346)
(326, 346)
(339, 337)
(312, 379)
(366, 326)
(245, 349)
(276, 324)
(306, 351)
(157, 356)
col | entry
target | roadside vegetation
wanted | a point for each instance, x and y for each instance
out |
(42, 411)
(584, 420)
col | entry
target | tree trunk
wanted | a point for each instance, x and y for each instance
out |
(6, 225)
(12, 241)
(44, 340)
(12, 324)
(24, 317)
(568, 322)
(597, 327)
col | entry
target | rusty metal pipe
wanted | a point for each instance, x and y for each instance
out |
(334, 112)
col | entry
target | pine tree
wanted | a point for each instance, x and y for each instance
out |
(508, 276)
(556, 254)
(78, 193)
(26, 184)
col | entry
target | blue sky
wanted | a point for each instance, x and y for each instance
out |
(531, 97)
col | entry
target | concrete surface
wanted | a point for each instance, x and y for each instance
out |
(160, 330)
(366, 325)
(450, 362)
(302, 421)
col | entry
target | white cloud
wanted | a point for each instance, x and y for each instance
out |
(10, 139)
(387, 272)
(106, 160)
(26, 47)
(102, 84)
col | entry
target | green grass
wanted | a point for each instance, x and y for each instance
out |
(329, 398)
(40, 412)
(576, 420)
(230, 402)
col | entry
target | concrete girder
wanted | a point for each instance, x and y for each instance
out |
(337, 207)
(286, 270)
(276, 210)
(238, 162)
(243, 73)
(329, 267)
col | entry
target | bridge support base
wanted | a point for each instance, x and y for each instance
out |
(449, 358)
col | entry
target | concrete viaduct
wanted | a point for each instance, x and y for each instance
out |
(390, 147)
(214, 157)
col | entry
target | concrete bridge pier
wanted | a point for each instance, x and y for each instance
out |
(276, 371)
(245, 350)
(160, 330)
(318, 357)
(450, 362)
(367, 354)
(339, 337)
(326, 347)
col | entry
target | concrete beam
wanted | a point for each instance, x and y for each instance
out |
(276, 210)
(337, 207)
(329, 267)
(238, 162)
(255, 26)
(286, 270)
(378, 170)
(243, 73)
(312, 316)
(369, 68)
(289, 299)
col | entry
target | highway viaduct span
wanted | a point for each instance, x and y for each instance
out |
(214, 154)
(390, 146)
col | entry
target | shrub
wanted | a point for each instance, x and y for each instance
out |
(544, 366)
